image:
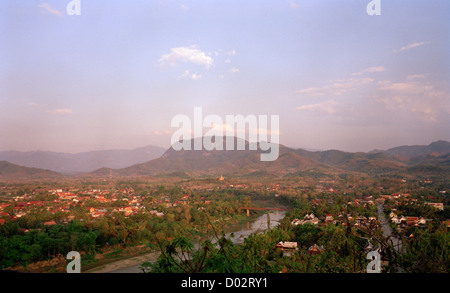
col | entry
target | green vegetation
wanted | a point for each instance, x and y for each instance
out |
(27, 239)
(109, 217)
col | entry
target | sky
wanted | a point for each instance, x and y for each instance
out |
(114, 76)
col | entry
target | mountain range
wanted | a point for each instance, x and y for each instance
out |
(84, 162)
(290, 161)
(155, 161)
(12, 171)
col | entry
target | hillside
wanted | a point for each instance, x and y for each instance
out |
(12, 171)
(417, 154)
(82, 162)
(152, 161)
(202, 162)
(245, 163)
(358, 162)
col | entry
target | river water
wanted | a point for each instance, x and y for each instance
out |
(387, 231)
(240, 233)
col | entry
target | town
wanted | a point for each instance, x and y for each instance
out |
(43, 221)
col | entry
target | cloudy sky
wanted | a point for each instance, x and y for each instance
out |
(115, 76)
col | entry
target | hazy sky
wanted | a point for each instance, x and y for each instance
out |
(116, 75)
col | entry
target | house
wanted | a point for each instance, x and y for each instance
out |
(101, 199)
(447, 223)
(396, 220)
(315, 249)
(49, 223)
(20, 214)
(127, 210)
(313, 221)
(329, 218)
(156, 213)
(439, 206)
(3, 205)
(98, 214)
(296, 222)
(309, 217)
(412, 221)
(287, 245)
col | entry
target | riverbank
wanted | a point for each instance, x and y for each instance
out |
(245, 229)
(109, 259)
(117, 265)
(128, 260)
(131, 264)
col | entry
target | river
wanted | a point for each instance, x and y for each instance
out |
(240, 233)
(387, 231)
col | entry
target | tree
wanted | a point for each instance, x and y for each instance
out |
(35, 252)
(306, 234)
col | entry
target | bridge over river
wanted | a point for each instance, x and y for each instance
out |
(264, 209)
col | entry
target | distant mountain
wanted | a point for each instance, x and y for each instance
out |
(12, 171)
(418, 154)
(202, 162)
(155, 161)
(82, 162)
(358, 162)
(442, 147)
(290, 161)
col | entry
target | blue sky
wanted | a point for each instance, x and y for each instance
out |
(115, 76)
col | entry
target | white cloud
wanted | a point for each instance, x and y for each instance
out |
(337, 88)
(60, 111)
(414, 96)
(186, 54)
(194, 76)
(234, 70)
(410, 46)
(327, 106)
(370, 70)
(404, 87)
(50, 10)
(313, 91)
(415, 76)
(33, 104)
